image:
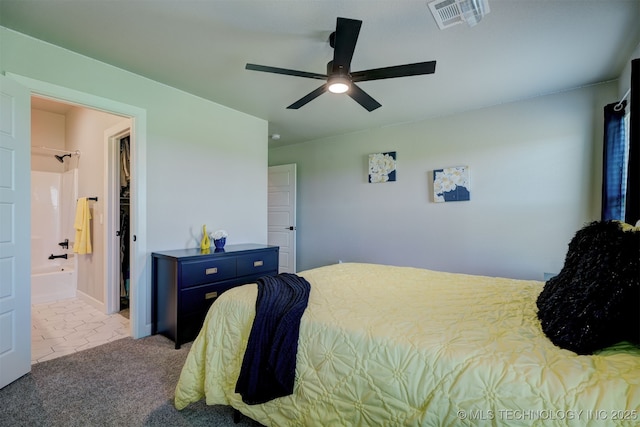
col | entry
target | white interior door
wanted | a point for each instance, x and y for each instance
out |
(15, 231)
(282, 214)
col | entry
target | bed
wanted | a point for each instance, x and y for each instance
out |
(400, 346)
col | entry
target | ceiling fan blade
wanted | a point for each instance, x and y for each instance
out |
(347, 31)
(307, 98)
(285, 71)
(363, 98)
(396, 71)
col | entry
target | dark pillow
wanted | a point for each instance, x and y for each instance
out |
(595, 300)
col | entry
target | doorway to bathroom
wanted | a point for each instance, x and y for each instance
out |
(81, 131)
(67, 146)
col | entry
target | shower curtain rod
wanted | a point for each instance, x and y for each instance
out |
(77, 152)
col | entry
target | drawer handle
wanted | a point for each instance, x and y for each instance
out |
(258, 263)
(213, 270)
(211, 295)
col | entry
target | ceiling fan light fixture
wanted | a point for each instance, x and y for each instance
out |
(339, 84)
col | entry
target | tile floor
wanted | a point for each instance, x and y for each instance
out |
(71, 325)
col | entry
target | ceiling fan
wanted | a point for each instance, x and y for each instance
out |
(339, 78)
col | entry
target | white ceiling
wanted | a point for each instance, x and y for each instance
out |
(46, 104)
(522, 49)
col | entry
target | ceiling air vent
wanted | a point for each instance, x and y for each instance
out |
(452, 12)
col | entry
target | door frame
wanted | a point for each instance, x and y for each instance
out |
(140, 284)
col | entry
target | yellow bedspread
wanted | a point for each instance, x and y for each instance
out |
(400, 346)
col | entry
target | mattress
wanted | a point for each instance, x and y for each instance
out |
(400, 346)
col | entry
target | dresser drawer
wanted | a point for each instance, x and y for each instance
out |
(200, 298)
(207, 271)
(256, 263)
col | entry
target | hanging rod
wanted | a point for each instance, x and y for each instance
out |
(77, 152)
(619, 105)
(95, 199)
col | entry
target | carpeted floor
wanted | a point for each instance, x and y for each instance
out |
(123, 383)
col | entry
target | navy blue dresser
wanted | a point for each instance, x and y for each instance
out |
(187, 281)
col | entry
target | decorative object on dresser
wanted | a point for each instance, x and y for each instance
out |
(187, 281)
(205, 243)
(220, 239)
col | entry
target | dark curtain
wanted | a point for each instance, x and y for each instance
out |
(614, 184)
(632, 213)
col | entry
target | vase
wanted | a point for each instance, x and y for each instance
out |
(205, 243)
(219, 243)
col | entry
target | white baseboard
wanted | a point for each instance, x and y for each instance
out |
(99, 305)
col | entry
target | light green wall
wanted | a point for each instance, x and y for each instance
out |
(204, 164)
(534, 170)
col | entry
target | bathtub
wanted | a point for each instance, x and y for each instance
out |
(53, 282)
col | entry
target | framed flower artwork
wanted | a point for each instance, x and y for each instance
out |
(451, 184)
(382, 167)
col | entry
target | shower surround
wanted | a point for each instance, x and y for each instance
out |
(53, 201)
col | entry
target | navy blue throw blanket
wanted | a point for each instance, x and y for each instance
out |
(269, 364)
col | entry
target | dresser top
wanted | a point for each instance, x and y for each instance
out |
(196, 252)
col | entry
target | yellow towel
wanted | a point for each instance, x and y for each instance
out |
(82, 244)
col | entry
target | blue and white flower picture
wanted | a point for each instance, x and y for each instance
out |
(451, 184)
(382, 167)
